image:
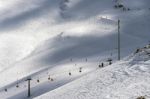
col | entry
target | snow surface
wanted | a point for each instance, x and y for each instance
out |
(39, 38)
(127, 79)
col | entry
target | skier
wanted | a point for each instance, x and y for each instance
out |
(102, 64)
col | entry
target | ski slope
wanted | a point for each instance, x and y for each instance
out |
(47, 34)
(127, 79)
(45, 80)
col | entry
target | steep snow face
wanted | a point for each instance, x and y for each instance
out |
(127, 79)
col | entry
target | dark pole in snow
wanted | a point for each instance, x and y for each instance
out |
(118, 39)
(29, 91)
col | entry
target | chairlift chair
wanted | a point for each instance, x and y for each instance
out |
(69, 73)
(5, 89)
(110, 61)
(52, 79)
(38, 80)
(49, 78)
(80, 69)
(17, 85)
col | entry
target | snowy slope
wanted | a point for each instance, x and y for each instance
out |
(41, 81)
(36, 35)
(37, 38)
(127, 79)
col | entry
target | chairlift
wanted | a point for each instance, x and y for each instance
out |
(80, 69)
(69, 73)
(17, 85)
(5, 89)
(110, 61)
(49, 78)
(38, 80)
(52, 79)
